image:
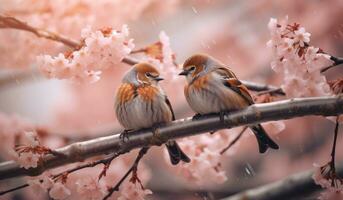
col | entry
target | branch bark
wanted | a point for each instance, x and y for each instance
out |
(325, 106)
(11, 22)
(292, 187)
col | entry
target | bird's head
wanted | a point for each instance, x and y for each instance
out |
(143, 73)
(197, 65)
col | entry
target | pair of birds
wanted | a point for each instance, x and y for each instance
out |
(211, 88)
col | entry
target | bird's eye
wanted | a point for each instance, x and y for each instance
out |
(148, 75)
(192, 68)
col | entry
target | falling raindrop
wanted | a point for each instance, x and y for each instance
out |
(153, 22)
(249, 170)
(205, 45)
(194, 10)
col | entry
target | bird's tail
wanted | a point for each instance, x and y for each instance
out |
(263, 140)
(175, 153)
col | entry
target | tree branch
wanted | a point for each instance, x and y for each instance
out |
(234, 141)
(133, 169)
(292, 187)
(336, 61)
(106, 162)
(11, 22)
(326, 106)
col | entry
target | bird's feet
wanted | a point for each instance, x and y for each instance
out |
(156, 135)
(222, 116)
(124, 135)
(196, 116)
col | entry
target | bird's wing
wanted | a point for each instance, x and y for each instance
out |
(170, 107)
(230, 80)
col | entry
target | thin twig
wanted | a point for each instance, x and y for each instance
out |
(14, 189)
(11, 22)
(336, 61)
(277, 91)
(105, 161)
(333, 152)
(257, 113)
(133, 170)
(64, 174)
(234, 141)
(292, 187)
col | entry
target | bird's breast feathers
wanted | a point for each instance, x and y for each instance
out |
(143, 108)
(126, 92)
(198, 84)
(148, 93)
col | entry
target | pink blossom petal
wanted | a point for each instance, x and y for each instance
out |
(59, 191)
(28, 160)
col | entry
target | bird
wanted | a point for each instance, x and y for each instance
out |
(212, 87)
(141, 103)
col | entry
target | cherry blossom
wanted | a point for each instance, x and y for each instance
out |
(40, 184)
(67, 17)
(101, 49)
(59, 191)
(204, 151)
(12, 127)
(28, 160)
(133, 191)
(90, 188)
(331, 194)
(318, 177)
(30, 138)
(327, 179)
(161, 55)
(296, 61)
(205, 166)
(301, 36)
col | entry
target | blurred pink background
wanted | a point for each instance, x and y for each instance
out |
(233, 31)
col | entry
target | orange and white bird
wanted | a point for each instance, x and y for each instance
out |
(213, 88)
(141, 103)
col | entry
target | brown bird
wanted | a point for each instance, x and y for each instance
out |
(141, 103)
(213, 88)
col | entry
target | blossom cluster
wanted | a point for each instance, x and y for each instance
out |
(100, 50)
(205, 152)
(103, 49)
(66, 17)
(25, 143)
(297, 61)
(161, 55)
(12, 131)
(327, 179)
(205, 166)
(86, 184)
(26, 157)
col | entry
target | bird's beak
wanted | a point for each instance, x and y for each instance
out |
(184, 73)
(158, 79)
